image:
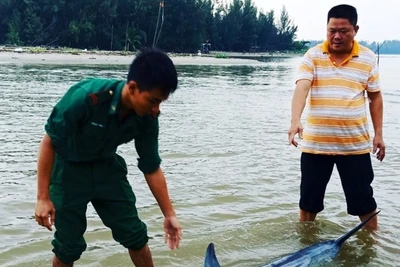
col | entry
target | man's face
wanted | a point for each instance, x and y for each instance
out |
(340, 35)
(147, 102)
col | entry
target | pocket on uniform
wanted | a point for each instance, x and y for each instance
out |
(94, 131)
(121, 164)
(56, 188)
(57, 171)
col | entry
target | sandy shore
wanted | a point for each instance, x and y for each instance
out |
(92, 59)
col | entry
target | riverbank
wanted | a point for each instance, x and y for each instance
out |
(97, 59)
(75, 56)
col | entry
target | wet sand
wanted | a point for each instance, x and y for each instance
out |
(93, 59)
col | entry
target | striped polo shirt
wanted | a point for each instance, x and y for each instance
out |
(337, 120)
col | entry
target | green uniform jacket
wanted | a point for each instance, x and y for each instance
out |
(85, 126)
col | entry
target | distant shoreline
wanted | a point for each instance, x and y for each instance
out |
(99, 59)
(32, 55)
(107, 58)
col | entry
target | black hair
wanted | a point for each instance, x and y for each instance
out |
(344, 12)
(153, 69)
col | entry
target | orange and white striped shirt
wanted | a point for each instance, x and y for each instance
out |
(337, 120)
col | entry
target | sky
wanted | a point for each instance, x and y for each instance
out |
(376, 18)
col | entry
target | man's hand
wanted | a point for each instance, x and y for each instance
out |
(173, 232)
(295, 128)
(379, 148)
(45, 213)
(298, 103)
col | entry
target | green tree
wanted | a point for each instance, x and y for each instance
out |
(174, 25)
(286, 31)
(249, 26)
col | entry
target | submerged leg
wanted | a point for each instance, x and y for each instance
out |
(306, 216)
(357, 175)
(141, 257)
(316, 171)
(58, 263)
(372, 224)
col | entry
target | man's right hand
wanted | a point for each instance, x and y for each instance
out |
(295, 128)
(45, 213)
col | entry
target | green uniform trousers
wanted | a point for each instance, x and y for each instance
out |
(105, 185)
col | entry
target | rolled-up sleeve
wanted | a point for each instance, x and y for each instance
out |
(146, 145)
(65, 117)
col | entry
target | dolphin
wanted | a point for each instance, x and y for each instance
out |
(314, 254)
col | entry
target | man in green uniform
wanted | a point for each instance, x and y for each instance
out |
(78, 164)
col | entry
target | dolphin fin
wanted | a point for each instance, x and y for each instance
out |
(344, 237)
(211, 259)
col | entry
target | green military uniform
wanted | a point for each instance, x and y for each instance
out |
(85, 129)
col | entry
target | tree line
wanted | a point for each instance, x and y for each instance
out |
(173, 25)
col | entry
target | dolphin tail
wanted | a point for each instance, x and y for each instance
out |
(344, 237)
(211, 259)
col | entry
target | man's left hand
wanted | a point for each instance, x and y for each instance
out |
(173, 232)
(379, 148)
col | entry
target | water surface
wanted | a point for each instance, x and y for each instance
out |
(232, 177)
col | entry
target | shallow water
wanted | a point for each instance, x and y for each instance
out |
(233, 179)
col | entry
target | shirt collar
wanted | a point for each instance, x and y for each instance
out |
(354, 52)
(115, 101)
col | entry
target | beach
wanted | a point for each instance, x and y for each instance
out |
(112, 59)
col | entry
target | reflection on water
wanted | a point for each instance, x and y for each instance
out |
(232, 177)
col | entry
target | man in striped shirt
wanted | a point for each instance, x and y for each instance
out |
(339, 74)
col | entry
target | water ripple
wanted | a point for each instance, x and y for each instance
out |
(232, 176)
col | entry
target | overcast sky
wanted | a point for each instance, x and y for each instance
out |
(376, 18)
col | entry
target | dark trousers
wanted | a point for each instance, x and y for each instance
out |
(105, 185)
(356, 175)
